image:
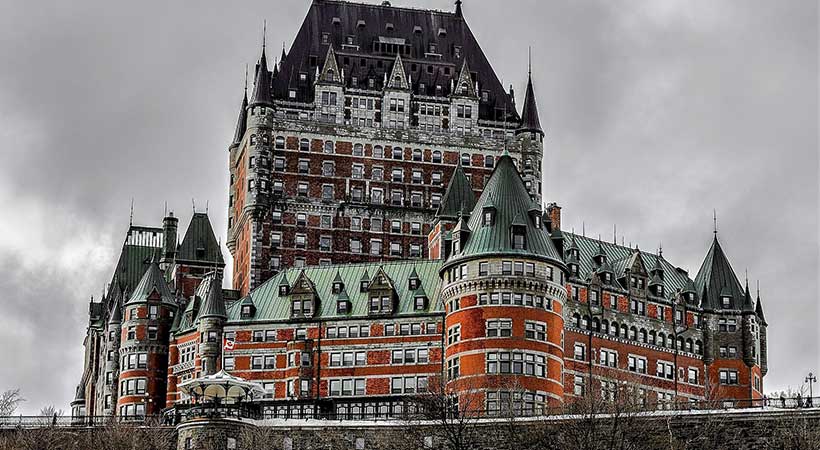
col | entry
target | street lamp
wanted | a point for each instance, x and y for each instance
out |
(811, 379)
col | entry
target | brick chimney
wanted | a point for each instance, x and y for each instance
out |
(554, 212)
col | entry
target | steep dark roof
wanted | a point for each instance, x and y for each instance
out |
(116, 310)
(152, 282)
(199, 244)
(242, 121)
(529, 115)
(759, 310)
(716, 279)
(214, 305)
(135, 257)
(412, 29)
(262, 83)
(459, 198)
(506, 192)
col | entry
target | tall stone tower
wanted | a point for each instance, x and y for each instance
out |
(503, 293)
(210, 322)
(531, 137)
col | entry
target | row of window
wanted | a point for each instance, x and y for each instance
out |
(636, 306)
(633, 333)
(515, 403)
(513, 362)
(377, 195)
(375, 225)
(133, 386)
(301, 241)
(396, 152)
(637, 364)
(410, 356)
(514, 298)
(134, 361)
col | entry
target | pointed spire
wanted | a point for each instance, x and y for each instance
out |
(398, 77)
(284, 55)
(529, 114)
(459, 196)
(152, 283)
(759, 306)
(330, 69)
(242, 121)
(716, 278)
(458, 12)
(116, 312)
(748, 303)
(261, 83)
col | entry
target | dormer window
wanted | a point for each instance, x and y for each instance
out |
(537, 220)
(488, 217)
(247, 311)
(284, 289)
(302, 307)
(364, 286)
(342, 307)
(607, 278)
(456, 246)
(413, 284)
(726, 302)
(659, 290)
(337, 287)
(518, 238)
(420, 303)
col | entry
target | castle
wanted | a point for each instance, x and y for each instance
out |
(388, 238)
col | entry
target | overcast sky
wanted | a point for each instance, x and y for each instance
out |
(656, 113)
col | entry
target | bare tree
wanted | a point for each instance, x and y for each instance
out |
(9, 401)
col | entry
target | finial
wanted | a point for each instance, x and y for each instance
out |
(615, 234)
(206, 206)
(193, 205)
(747, 278)
(583, 229)
(529, 61)
(505, 130)
(165, 212)
(660, 249)
(458, 12)
(714, 219)
(264, 33)
(246, 79)
(131, 217)
(758, 289)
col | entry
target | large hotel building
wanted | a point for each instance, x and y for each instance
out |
(390, 236)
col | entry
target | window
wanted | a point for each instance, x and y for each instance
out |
(304, 145)
(489, 161)
(325, 243)
(636, 364)
(483, 269)
(516, 363)
(535, 330)
(328, 168)
(375, 246)
(397, 175)
(499, 328)
(347, 387)
(152, 332)
(728, 376)
(327, 192)
(153, 312)
(608, 358)
(578, 386)
(580, 352)
(453, 334)
(665, 369)
(465, 159)
(453, 368)
(358, 150)
(398, 152)
(355, 246)
(692, 375)
(300, 241)
(417, 155)
(328, 147)
(304, 166)
(302, 188)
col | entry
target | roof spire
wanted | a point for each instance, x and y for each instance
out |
(458, 12)
(529, 113)
(284, 55)
(261, 83)
(264, 33)
(242, 121)
(714, 220)
(131, 217)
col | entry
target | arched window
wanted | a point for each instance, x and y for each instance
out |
(623, 331)
(328, 147)
(585, 322)
(489, 161)
(698, 347)
(614, 328)
(633, 333)
(652, 337)
(437, 156)
(417, 156)
(398, 152)
(662, 339)
(596, 324)
(358, 150)
(304, 145)
(680, 343)
(465, 159)
(605, 326)
(689, 346)
(643, 336)
(378, 151)
(464, 88)
(576, 318)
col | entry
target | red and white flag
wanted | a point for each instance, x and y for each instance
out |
(228, 344)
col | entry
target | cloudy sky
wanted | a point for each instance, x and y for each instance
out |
(657, 112)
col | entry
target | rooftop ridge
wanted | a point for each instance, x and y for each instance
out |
(391, 6)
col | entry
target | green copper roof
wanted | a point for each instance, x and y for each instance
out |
(673, 280)
(459, 197)
(134, 261)
(716, 279)
(214, 305)
(506, 192)
(270, 306)
(152, 283)
(199, 244)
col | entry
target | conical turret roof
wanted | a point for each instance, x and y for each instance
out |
(759, 310)
(458, 197)
(529, 115)
(506, 191)
(152, 283)
(716, 278)
(748, 303)
(261, 83)
(242, 121)
(116, 311)
(214, 305)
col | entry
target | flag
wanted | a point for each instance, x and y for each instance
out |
(228, 344)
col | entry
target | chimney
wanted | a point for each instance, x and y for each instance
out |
(169, 238)
(554, 212)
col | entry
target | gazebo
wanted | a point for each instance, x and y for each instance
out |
(222, 395)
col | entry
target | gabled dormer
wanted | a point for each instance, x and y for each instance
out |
(488, 212)
(343, 305)
(398, 78)
(573, 258)
(420, 300)
(413, 281)
(518, 233)
(690, 292)
(247, 310)
(330, 69)
(464, 85)
(338, 285)
(284, 285)
(461, 233)
(364, 282)
(303, 297)
(600, 255)
(535, 217)
(381, 294)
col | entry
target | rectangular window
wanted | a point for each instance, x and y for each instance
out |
(499, 328)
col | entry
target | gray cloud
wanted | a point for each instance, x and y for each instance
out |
(657, 112)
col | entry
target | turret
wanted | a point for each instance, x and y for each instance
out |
(112, 350)
(531, 136)
(459, 199)
(764, 341)
(148, 315)
(502, 285)
(210, 322)
(169, 238)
